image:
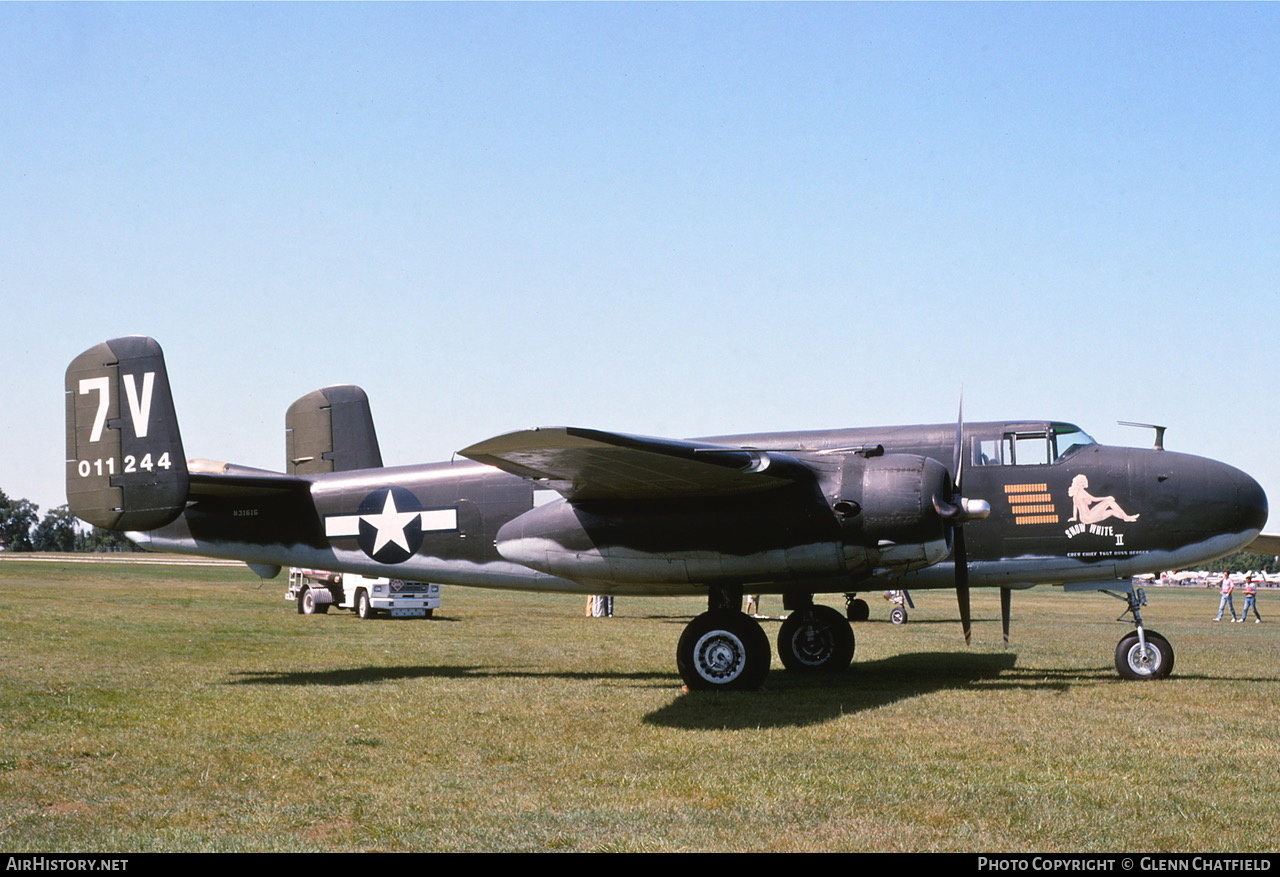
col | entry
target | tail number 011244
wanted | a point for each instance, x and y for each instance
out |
(107, 466)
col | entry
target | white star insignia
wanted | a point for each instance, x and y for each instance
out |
(390, 524)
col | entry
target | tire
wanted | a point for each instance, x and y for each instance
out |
(898, 615)
(1156, 662)
(858, 610)
(723, 650)
(363, 608)
(307, 604)
(816, 640)
(427, 613)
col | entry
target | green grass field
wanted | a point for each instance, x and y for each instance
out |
(175, 708)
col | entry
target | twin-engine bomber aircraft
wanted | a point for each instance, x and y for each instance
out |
(994, 505)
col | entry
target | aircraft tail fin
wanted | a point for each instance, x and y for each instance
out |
(330, 430)
(125, 466)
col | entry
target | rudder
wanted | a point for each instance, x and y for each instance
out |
(125, 466)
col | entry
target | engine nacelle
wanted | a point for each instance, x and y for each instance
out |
(888, 520)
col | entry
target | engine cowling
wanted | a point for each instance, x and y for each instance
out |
(888, 517)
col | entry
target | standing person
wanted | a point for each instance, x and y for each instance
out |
(1250, 600)
(1225, 602)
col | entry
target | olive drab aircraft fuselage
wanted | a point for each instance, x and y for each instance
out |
(1005, 505)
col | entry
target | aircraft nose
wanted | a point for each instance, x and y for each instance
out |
(1239, 504)
(1251, 500)
(1198, 501)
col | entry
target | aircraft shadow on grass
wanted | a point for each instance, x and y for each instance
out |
(792, 700)
(374, 674)
(796, 700)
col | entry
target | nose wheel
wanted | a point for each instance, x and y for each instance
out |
(1144, 654)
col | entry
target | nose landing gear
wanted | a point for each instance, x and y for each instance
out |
(1143, 654)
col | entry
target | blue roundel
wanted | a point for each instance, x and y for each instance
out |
(390, 525)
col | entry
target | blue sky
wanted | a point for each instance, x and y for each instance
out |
(665, 219)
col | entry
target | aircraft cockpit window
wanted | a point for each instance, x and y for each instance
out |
(1026, 448)
(1031, 446)
(1068, 439)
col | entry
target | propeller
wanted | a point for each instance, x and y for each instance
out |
(1006, 598)
(959, 510)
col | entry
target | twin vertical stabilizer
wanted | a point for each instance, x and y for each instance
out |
(125, 466)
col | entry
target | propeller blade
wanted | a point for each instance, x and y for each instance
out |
(1006, 601)
(962, 585)
(957, 459)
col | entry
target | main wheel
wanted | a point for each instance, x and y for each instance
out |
(898, 615)
(363, 609)
(1153, 662)
(307, 604)
(816, 639)
(723, 651)
(858, 610)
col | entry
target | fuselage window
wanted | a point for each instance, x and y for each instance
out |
(988, 453)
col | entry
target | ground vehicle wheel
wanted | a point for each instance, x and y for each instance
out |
(308, 605)
(898, 615)
(363, 609)
(427, 613)
(858, 610)
(1153, 662)
(723, 650)
(816, 639)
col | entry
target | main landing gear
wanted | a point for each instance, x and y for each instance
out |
(725, 650)
(1143, 654)
(815, 639)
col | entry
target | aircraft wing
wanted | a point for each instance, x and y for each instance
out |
(1265, 543)
(585, 464)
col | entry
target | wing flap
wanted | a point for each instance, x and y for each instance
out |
(585, 464)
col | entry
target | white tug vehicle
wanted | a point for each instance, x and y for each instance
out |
(314, 591)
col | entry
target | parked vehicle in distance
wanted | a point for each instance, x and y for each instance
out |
(314, 591)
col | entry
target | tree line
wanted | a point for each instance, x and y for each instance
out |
(22, 529)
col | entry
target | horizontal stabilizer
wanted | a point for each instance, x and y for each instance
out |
(585, 464)
(227, 480)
